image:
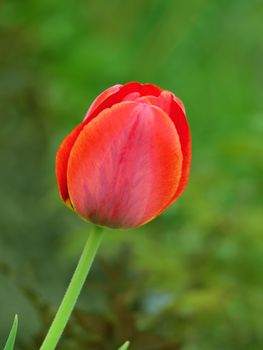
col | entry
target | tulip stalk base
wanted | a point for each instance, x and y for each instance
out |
(74, 289)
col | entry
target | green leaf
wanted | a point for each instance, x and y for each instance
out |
(125, 346)
(12, 335)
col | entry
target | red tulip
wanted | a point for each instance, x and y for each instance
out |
(129, 159)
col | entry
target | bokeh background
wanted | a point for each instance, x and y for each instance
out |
(193, 278)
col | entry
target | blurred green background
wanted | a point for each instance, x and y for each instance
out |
(193, 278)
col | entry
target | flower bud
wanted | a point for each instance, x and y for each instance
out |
(129, 159)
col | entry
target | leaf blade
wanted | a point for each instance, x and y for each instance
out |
(12, 335)
(125, 346)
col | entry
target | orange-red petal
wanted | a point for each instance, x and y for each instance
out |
(102, 97)
(117, 94)
(62, 161)
(174, 107)
(179, 118)
(125, 165)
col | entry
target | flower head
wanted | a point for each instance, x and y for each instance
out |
(129, 159)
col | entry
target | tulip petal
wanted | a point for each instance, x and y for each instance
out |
(174, 107)
(125, 166)
(62, 161)
(102, 97)
(118, 93)
(179, 118)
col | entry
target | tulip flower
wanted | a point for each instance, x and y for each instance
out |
(129, 159)
(122, 166)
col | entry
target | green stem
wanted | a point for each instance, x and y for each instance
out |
(74, 289)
